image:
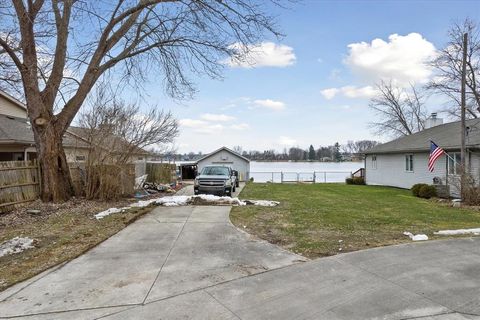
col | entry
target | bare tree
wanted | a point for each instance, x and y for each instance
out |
(118, 133)
(448, 64)
(60, 49)
(238, 149)
(358, 147)
(401, 112)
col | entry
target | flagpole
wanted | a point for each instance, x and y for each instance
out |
(463, 107)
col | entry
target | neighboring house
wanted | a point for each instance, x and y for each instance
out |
(404, 162)
(17, 142)
(11, 106)
(227, 157)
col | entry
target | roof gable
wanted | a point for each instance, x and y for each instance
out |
(223, 149)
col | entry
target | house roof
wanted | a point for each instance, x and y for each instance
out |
(446, 136)
(16, 102)
(111, 142)
(14, 130)
(223, 149)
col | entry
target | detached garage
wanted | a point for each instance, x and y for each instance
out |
(229, 158)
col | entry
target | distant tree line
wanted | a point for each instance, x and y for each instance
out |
(352, 150)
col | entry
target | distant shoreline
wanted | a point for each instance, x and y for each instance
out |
(304, 161)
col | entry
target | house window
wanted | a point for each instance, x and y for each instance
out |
(80, 158)
(453, 163)
(409, 162)
(374, 161)
(140, 158)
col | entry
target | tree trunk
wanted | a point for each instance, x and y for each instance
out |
(56, 183)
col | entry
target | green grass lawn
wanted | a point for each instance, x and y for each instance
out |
(324, 219)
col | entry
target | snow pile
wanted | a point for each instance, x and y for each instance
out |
(212, 199)
(475, 231)
(16, 245)
(262, 203)
(417, 237)
(173, 201)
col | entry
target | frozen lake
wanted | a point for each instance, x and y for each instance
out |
(302, 171)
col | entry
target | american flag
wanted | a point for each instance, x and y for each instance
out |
(435, 153)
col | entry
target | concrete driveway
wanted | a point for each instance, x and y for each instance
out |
(191, 263)
(171, 251)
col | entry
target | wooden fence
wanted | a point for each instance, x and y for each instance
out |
(161, 172)
(19, 183)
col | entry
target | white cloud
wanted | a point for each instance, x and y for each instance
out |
(270, 104)
(402, 59)
(349, 92)
(358, 92)
(216, 117)
(329, 93)
(192, 123)
(265, 54)
(201, 126)
(287, 141)
(239, 127)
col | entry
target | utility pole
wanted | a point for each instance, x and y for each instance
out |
(463, 150)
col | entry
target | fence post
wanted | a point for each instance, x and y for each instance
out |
(325, 176)
(298, 177)
(281, 177)
(313, 176)
(272, 177)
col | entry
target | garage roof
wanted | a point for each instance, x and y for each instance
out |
(224, 149)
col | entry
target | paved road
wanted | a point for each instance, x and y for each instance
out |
(191, 263)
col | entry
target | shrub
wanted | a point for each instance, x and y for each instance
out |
(416, 188)
(358, 180)
(355, 180)
(427, 192)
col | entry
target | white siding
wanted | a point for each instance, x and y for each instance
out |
(223, 157)
(9, 108)
(391, 171)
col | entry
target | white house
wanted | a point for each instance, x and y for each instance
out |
(226, 157)
(404, 162)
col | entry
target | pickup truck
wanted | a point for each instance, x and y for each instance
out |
(217, 180)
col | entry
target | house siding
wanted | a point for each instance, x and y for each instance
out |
(391, 171)
(223, 157)
(11, 109)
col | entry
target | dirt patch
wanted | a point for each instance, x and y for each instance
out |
(61, 231)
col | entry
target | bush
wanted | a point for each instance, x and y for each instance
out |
(427, 192)
(358, 180)
(416, 188)
(355, 180)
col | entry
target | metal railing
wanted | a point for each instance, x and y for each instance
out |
(289, 177)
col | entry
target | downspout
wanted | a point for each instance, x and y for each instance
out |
(365, 167)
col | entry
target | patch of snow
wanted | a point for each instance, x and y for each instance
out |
(16, 245)
(263, 203)
(475, 231)
(173, 201)
(110, 211)
(417, 237)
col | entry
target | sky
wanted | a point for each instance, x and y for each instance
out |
(313, 85)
